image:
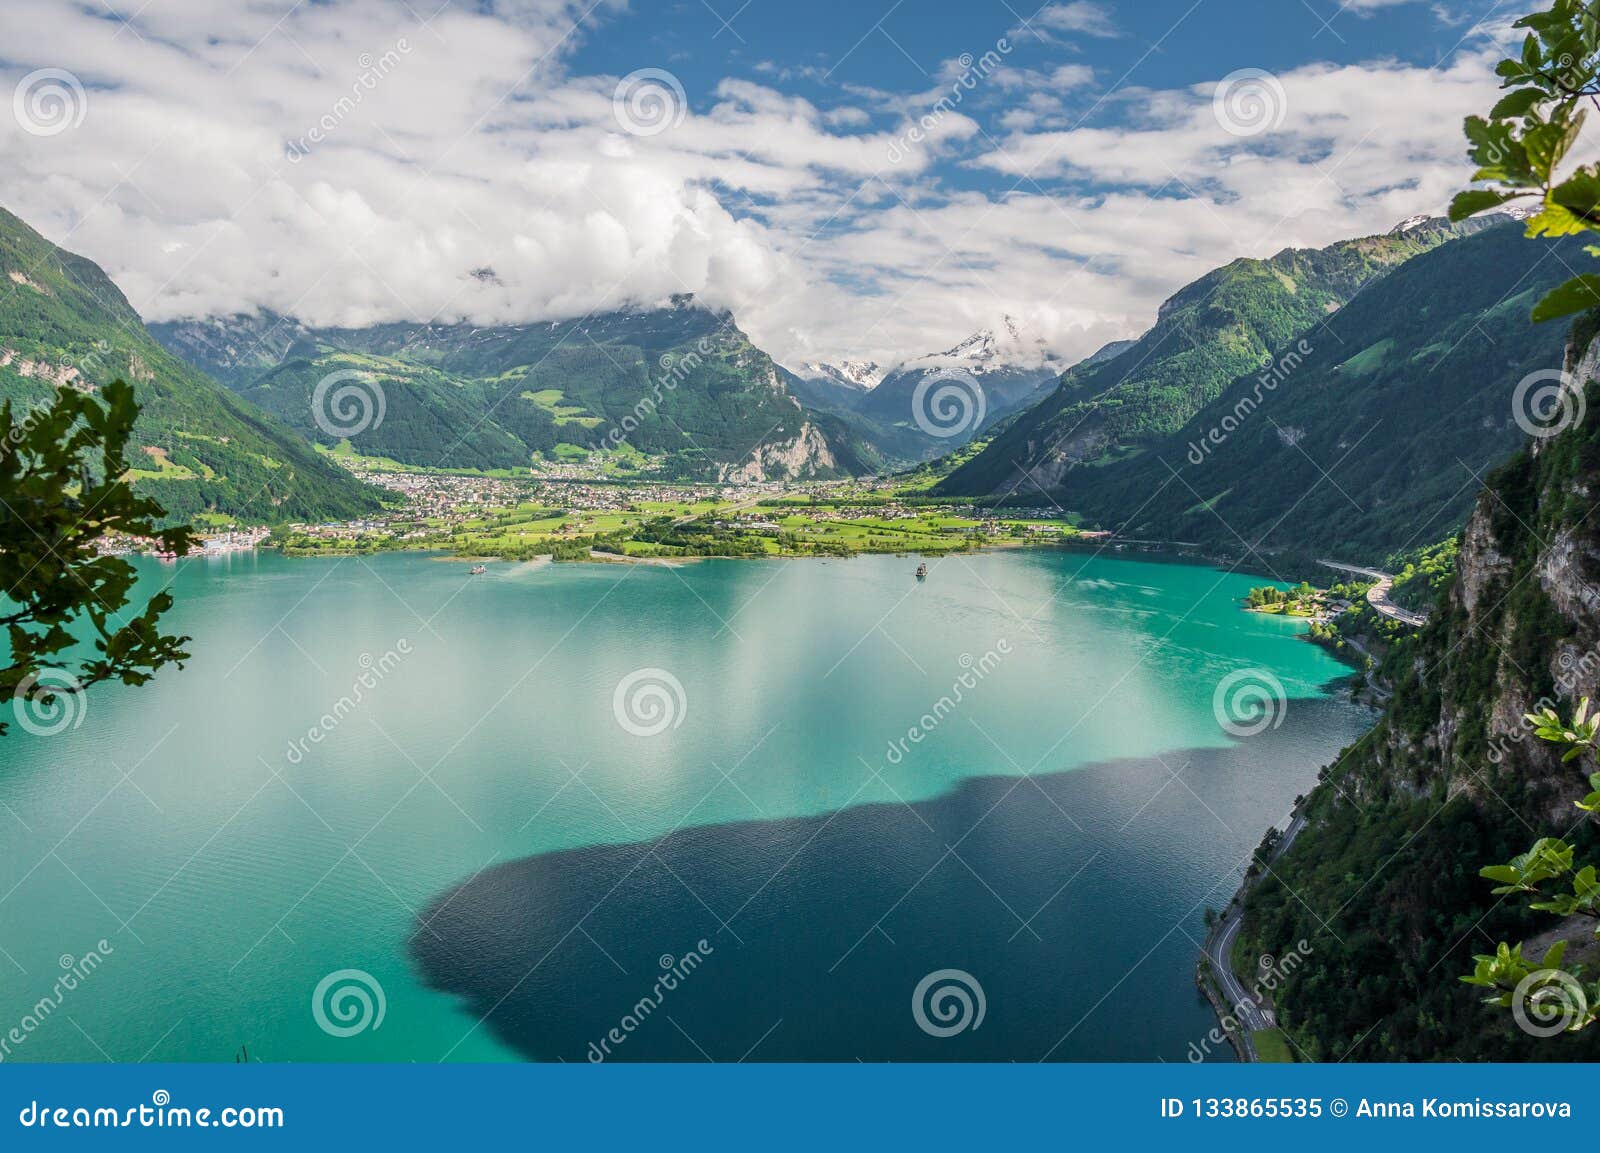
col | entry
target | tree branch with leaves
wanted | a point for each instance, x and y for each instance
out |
(1521, 148)
(63, 487)
(1548, 996)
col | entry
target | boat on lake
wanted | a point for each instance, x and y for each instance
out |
(922, 572)
(477, 570)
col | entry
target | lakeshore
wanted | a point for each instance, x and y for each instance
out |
(492, 737)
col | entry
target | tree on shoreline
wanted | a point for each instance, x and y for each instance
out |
(63, 487)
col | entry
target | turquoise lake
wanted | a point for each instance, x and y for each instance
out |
(499, 838)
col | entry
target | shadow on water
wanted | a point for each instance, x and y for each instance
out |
(1076, 900)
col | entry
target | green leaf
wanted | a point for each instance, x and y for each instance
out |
(1517, 103)
(1576, 295)
(1476, 200)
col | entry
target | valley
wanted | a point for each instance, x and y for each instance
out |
(1278, 414)
(569, 519)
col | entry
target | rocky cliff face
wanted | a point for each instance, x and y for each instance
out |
(1384, 880)
(807, 456)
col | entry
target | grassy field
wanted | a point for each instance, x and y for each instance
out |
(1271, 1045)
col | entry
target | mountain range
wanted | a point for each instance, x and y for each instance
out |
(1368, 434)
(64, 324)
(985, 378)
(671, 392)
(1206, 335)
(1332, 400)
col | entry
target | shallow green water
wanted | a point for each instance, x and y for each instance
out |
(231, 862)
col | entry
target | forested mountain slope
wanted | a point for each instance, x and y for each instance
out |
(682, 385)
(64, 324)
(1383, 882)
(1207, 335)
(1366, 435)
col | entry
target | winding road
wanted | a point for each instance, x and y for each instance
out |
(1378, 594)
(1219, 946)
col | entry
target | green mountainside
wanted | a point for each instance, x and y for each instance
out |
(1364, 436)
(681, 385)
(63, 323)
(1207, 335)
(1383, 882)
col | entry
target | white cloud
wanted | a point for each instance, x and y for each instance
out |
(1083, 16)
(477, 147)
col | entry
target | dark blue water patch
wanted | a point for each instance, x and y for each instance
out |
(1075, 902)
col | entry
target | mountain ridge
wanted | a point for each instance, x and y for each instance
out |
(64, 323)
(1207, 334)
(676, 392)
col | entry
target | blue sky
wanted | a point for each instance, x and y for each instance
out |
(350, 161)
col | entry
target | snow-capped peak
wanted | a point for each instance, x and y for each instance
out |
(863, 374)
(989, 349)
(1409, 223)
(1521, 211)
